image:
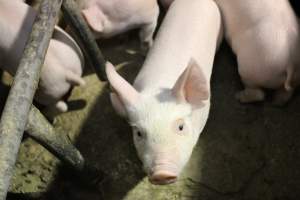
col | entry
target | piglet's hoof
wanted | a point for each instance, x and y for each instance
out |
(250, 95)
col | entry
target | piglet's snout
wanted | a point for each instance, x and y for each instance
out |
(162, 174)
(162, 177)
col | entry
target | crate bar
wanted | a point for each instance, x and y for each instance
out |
(18, 104)
(74, 18)
(58, 144)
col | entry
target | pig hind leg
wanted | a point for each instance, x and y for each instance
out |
(251, 79)
(282, 96)
(74, 79)
(249, 95)
(146, 36)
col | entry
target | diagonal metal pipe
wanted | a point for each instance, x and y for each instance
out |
(16, 111)
(39, 129)
(58, 144)
(74, 18)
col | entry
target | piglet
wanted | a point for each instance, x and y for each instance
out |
(169, 103)
(63, 62)
(264, 35)
(107, 18)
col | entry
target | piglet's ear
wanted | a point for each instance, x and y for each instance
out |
(192, 86)
(124, 95)
(94, 18)
(118, 105)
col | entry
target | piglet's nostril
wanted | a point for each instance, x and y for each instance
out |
(162, 178)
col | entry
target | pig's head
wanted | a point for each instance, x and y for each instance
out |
(163, 126)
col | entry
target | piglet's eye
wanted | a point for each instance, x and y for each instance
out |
(138, 133)
(180, 127)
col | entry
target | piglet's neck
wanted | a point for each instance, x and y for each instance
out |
(191, 29)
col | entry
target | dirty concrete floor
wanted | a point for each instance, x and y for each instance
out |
(246, 152)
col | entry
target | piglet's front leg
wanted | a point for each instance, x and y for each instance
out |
(146, 36)
(146, 33)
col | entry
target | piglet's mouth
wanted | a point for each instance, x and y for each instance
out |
(162, 177)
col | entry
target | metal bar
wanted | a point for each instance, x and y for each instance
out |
(87, 40)
(58, 144)
(18, 104)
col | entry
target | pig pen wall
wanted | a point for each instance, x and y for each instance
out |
(245, 152)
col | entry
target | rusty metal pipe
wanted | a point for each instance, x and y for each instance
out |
(15, 114)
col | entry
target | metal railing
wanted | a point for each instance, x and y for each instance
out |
(19, 114)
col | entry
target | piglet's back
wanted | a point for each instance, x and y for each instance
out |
(184, 33)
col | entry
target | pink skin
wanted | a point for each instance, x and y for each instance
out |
(109, 18)
(63, 63)
(169, 102)
(265, 38)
